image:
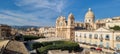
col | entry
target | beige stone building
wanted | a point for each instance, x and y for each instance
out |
(29, 31)
(91, 32)
(61, 52)
(65, 29)
(47, 31)
(101, 37)
(5, 31)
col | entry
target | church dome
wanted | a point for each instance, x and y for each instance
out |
(89, 14)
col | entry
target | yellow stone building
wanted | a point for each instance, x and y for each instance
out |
(106, 39)
(65, 29)
(47, 31)
(5, 31)
(91, 32)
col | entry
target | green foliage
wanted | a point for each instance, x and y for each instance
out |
(56, 45)
(36, 45)
(115, 28)
(28, 37)
(18, 37)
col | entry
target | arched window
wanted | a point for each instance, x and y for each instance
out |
(60, 24)
(117, 38)
(72, 22)
(101, 37)
(89, 20)
(107, 37)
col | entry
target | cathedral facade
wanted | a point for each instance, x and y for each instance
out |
(65, 29)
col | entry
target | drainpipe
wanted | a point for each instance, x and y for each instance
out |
(113, 40)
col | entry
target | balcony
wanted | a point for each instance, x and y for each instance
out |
(83, 43)
(90, 37)
(93, 45)
(106, 47)
(101, 46)
(107, 39)
(87, 43)
(95, 38)
(101, 38)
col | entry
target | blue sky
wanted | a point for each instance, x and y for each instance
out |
(45, 12)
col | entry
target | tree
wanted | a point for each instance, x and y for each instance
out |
(115, 28)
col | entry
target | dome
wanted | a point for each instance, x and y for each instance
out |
(89, 14)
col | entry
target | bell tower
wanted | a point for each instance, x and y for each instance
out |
(70, 27)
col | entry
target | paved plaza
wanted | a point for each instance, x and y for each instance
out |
(49, 39)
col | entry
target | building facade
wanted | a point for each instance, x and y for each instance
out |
(47, 31)
(5, 31)
(65, 29)
(61, 52)
(101, 37)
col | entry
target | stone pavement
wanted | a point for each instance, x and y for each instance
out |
(49, 39)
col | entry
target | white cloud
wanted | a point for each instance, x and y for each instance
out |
(13, 20)
(18, 18)
(23, 15)
(33, 12)
(56, 5)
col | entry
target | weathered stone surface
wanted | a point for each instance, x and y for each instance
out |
(14, 47)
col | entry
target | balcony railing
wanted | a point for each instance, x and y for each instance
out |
(93, 45)
(101, 46)
(95, 38)
(101, 38)
(107, 39)
(106, 47)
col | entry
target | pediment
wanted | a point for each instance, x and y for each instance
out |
(102, 29)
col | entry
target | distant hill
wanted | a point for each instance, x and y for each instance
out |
(24, 27)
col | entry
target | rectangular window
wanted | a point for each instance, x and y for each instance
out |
(95, 36)
(90, 36)
(80, 35)
(84, 35)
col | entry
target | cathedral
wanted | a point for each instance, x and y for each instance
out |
(66, 28)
